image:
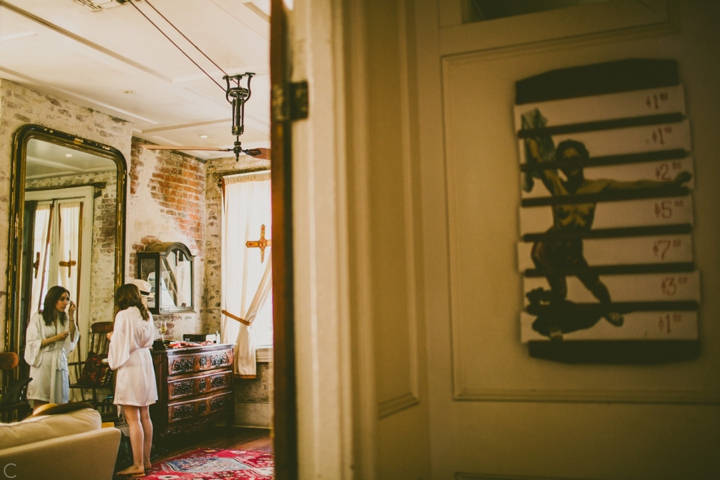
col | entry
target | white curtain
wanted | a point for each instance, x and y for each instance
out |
(182, 278)
(246, 281)
(41, 254)
(56, 244)
(68, 254)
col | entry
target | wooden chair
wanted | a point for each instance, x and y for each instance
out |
(14, 405)
(92, 374)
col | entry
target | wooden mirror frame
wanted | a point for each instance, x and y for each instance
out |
(155, 253)
(16, 208)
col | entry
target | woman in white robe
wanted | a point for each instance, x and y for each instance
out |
(51, 335)
(135, 387)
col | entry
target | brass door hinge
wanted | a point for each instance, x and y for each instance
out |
(299, 100)
(294, 106)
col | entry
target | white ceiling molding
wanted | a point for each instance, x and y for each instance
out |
(260, 27)
(224, 121)
(14, 36)
(72, 96)
(256, 10)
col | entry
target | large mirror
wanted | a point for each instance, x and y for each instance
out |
(68, 207)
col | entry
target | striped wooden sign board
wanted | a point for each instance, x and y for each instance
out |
(606, 210)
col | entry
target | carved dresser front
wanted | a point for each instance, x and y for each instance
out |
(195, 389)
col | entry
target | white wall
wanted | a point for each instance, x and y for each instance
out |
(494, 410)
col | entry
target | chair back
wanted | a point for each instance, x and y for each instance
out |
(8, 360)
(93, 373)
(99, 342)
(14, 405)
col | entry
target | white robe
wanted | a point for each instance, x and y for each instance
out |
(129, 354)
(48, 364)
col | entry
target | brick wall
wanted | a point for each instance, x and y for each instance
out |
(167, 198)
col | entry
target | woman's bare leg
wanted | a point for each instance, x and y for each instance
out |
(147, 427)
(137, 440)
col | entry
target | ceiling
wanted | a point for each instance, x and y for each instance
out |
(47, 160)
(107, 56)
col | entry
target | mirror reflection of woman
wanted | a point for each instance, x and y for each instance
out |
(51, 335)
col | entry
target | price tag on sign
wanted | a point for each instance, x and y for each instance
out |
(667, 171)
(669, 208)
(657, 100)
(660, 135)
(672, 285)
(669, 322)
(663, 248)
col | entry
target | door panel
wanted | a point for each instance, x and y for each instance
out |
(511, 415)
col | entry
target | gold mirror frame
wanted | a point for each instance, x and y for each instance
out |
(17, 201)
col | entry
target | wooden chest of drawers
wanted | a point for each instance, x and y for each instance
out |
(195, 389)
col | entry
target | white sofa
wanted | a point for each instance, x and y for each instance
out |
(70, 446)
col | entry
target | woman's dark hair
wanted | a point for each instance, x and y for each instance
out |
(52, 297)
(128, 296)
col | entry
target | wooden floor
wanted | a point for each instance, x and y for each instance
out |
(216, 437)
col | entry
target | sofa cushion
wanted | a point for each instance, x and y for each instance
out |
(36, 429)
(55, 409)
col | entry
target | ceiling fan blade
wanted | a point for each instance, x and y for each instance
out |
(183, 147)
(258, 152)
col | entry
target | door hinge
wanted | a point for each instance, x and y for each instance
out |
(294, 106)
(299, 100)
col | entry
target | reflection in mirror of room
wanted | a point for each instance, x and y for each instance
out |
(168, 269)
(54, 168)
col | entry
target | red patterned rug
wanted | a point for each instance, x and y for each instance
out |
(207, 463)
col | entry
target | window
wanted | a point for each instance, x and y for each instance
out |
(246, 262)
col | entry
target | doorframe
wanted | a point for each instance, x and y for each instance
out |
(315, 410)
(285, 438)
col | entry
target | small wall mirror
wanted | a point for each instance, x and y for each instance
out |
(68, 206)
(168, 268)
